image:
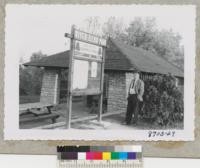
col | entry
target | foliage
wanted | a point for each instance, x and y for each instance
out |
(144, 33)
(92, 25)
(141, 33)
(113, 27)
(163, 101)
(30, 78)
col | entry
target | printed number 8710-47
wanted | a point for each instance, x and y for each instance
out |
(161, 133)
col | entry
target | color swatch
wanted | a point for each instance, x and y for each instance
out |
(99, 153)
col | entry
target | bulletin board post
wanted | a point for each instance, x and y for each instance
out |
(101, 87)
(70, 79)
(86, 68)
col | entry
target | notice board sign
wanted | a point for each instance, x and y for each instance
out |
(86, 77)
(88, 51)
(86, 67)
(86, 63)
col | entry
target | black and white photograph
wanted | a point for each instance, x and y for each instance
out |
(99, 72)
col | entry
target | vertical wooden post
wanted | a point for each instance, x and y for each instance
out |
(101, 87)
(70, 80)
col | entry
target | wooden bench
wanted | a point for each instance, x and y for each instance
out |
(34, 108)
(53, 117)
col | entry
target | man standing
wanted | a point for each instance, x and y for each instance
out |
(135, 96)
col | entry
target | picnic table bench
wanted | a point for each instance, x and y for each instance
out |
(28, 108)
(35, 110)
(53, 117)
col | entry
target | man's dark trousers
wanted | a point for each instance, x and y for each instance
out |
(132, 108)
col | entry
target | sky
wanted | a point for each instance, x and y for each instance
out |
(33, 28)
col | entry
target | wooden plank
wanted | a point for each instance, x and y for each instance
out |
(33, 112)
(26, 106)
(38, 118)
(85, 92)
(87, 59)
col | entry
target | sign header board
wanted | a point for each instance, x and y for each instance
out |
(87, 37)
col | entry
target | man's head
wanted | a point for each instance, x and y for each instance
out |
(136, 75)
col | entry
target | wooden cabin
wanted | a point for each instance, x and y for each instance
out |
(121, 61)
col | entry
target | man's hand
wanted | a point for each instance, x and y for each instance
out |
(139, 98)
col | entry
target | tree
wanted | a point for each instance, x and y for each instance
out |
(141, 33)
(37, 56)
(114, 27)
(24, 81)
(167, 45)
(30, 78)
(93, 25)
(144, 33)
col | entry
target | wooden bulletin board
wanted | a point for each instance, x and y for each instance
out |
(86, 68)
(189, 149)
(86, 64)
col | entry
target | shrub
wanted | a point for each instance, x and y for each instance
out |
(163, 101)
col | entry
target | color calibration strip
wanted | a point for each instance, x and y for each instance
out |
(99, 156)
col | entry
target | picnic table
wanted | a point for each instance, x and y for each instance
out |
(37, 110)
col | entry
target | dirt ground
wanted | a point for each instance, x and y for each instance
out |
(79, 110)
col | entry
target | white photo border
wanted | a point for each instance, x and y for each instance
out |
(11, 108)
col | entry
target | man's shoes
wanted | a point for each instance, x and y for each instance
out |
(125, 123)
(134, 123)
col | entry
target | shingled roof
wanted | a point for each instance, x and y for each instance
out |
(119, 57)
